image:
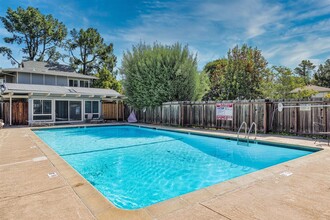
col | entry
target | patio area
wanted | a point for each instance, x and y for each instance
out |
(35, 183)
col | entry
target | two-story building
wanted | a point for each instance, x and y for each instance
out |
(48, 92)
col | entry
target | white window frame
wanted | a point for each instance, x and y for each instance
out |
(94, 113)
(42, 114)
(85, 81)
(79, 80)
(73, 82)
(70, 100)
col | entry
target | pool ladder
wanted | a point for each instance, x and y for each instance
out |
(247, 133)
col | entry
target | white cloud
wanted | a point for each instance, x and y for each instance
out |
(286, 32)
(209, 27)
(321, 26)
(291, 54)
(252, 17)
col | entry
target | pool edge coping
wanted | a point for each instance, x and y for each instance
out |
(93, 197)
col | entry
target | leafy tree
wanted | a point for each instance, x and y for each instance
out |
(327, 96)
(268, 84)
(107, 81)
(304, 93)
(305, 69)
(216, 71)
(39, 34)
(281, 82)
(322, 76)
(159, 73)
(202, 86)
(245, 70)
(88, 52)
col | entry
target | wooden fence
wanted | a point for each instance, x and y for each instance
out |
(264, 113)
(19, 112)
(111, 111)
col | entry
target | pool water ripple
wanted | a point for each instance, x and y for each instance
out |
(137, 167)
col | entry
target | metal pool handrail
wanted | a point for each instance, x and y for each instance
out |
(255, 131)
(239, 130)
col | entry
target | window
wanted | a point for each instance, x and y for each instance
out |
(92, 107)
(78, 83)
(42, 110)
(73, 83)
(75, 110)
(88, 107)
(49, 80)
(84, 83)
(68, 110)
(61, 81)
(37, 79)
(61, 110)
(9, 79)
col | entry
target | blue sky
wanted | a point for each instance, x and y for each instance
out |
(285, 31)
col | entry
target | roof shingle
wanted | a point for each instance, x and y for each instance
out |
(28, 88)
(48, 69)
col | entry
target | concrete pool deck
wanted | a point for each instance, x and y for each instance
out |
(297, 189)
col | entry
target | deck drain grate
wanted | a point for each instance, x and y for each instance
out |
(52, 175)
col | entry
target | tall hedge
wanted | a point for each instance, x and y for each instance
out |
(158, 73)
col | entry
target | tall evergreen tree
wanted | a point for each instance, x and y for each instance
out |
(88, 52)
(305, 69)
(322, 76)
(40, 35)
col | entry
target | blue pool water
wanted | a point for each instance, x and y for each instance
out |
(136, 167)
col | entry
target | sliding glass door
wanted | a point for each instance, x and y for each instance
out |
(68, 110)
(75, 110)
(61, 111)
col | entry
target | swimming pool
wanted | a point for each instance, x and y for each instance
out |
(135, 167)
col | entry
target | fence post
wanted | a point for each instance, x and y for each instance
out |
(181, 114)
(161, 114)
(265, 117)
(234, 117)
(297, 120)
(203, 115)
(326, 118)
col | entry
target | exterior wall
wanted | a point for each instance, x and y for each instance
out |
(30, 109)
(320, 95)
(43, 79)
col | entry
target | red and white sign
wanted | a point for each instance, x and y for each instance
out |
(224, 111)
